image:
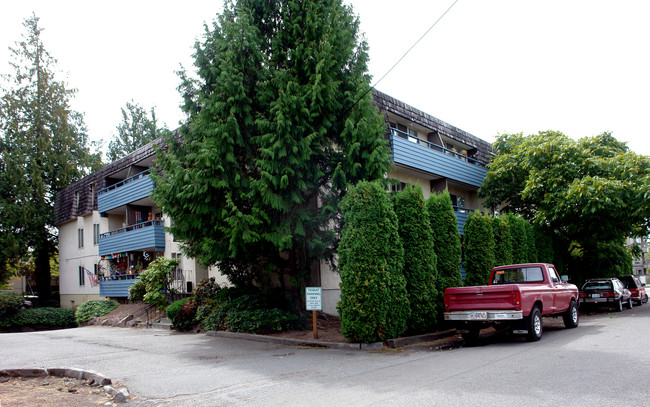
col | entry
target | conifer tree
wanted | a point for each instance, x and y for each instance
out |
(374, 304)
(502, 241)
(136, 130)
(419, 257)
(519, 240)
(544, 244)
(444, 229)
(280, 121)
(531, 251)
(43, 148)
(479, 249)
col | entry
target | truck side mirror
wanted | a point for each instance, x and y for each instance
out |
(564, 278)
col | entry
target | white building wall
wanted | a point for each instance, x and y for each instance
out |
(71, 257)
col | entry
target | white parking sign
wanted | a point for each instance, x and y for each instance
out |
(313, 298)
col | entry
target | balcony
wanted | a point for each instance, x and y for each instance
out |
(148, 235)
(432, 158)
(117, 286)
(125, 192)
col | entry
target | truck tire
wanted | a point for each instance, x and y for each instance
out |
(471, 337)
(571, 317)
(535, 328)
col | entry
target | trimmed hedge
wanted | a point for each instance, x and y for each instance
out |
(91, 309)
(374, 305)
(502, 242)
(479, 249)
(519, 240)
(446, 243)
(419, 258)
(41, 317)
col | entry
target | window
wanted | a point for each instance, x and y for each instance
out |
(518, 275)
(82, 276)
(96, 234)
(554, 276)
(80, 238)
(397, 186)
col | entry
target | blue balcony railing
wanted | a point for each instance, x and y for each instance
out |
(116, 286)
(148, 235)
(432, 158)
(124, 192)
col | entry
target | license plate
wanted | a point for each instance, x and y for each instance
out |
(595, 295)
(478, 315)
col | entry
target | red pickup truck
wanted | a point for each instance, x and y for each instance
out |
(516, 297)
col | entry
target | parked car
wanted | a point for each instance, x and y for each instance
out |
(517, 297)
(636, 287)
(606, 292)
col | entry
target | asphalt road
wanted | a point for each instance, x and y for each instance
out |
(604, 361)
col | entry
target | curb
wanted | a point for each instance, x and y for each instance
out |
(410, 340)
(72, 373)
(296, 342)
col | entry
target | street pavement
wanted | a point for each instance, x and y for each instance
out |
(604, 361)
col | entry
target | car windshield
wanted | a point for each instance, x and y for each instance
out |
(518, 275)
(597, 285)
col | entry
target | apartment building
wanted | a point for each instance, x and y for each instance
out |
(110, 229)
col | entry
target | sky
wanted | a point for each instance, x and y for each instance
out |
(487, 67)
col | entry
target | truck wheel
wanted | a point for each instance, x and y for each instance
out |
(571, 316)
(535, 325)
(471, 337)
(619, 305)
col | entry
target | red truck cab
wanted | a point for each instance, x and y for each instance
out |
(516, 297)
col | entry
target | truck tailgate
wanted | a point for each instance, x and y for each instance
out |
(495, 297)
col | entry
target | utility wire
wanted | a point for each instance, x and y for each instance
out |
(406, 53)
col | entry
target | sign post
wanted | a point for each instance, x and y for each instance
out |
(314, 302)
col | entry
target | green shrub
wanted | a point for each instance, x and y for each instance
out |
(262, 320)
(544, 244)
(10, 303)
(34, 317)
(531, 250)
(155, 282)
(182, 314)
(91, 309)
(444, 229)
(137, 291)
(206, 289)
(479, 249)
(419, 258)
(502, 242)
(374, 304)
(519, 240)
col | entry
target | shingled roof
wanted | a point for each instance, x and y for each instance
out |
(66, 208)
(387, 103)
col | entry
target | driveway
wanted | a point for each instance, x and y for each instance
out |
(603, 361)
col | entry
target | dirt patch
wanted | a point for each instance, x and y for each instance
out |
(329, 330)
(139, 314)
(50, 391)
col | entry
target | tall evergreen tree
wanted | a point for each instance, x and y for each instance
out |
(519, 241)
(43, 148)
(502, 242)
(136, 130)
(280, 121)
(374, 304)
(531, 250)
(419, 257)
(446, 243)
(479, 249)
